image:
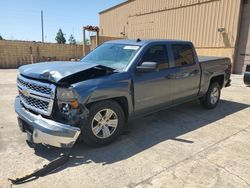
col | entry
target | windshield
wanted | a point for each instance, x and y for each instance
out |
(115, 56)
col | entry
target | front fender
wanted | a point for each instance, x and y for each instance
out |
(110, 87)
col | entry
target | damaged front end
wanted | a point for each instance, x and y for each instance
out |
(50, 109)
(68, 108)
(62, 128)
(41, 130)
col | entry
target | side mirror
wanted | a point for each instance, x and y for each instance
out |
(147, 67)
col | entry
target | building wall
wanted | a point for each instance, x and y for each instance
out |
(194, 20)
(16, 53)
(113, 22)
(102, 39)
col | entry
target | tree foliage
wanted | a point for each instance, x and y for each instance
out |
(72, 40)
(60, 37)
(87, 41)
(1, 38)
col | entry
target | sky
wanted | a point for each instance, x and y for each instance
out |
(21, 19)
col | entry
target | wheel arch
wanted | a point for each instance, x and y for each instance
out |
(122, 101)
(219, 78)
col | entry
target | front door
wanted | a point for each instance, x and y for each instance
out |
(153, 89)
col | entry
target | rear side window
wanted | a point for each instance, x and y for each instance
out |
(183, 55)
(158, 54)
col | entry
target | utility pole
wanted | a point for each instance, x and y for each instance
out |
(42, 26)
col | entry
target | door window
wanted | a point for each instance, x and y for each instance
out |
(183, 55)
(157, 54)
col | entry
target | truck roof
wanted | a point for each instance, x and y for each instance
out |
(142, 42)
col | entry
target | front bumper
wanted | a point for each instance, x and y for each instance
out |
(46, 131)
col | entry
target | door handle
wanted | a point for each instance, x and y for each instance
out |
(182, 75)
(175, 77)
(196, 71)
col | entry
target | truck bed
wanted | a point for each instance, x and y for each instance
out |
(213, 66)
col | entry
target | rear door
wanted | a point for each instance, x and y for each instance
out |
(186, 78)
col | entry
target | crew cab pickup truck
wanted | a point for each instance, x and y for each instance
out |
(92, 100)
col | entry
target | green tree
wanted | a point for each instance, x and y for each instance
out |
(72, 40)
(87, 41)
(60, 37)
(1, 38)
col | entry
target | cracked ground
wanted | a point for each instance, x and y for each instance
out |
(185, 146)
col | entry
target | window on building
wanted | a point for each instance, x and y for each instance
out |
(157, 54)
(183, 55)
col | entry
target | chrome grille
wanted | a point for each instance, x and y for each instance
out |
(34, 87)
(36, 96)
(33, 102)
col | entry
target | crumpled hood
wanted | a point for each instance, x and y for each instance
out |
(54, 71)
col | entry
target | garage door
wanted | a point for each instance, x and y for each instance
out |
(243, 49)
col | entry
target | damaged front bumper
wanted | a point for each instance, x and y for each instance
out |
(45, 131)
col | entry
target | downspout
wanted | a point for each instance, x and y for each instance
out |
(237, 37)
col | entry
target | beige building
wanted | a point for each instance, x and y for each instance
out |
(216, 27)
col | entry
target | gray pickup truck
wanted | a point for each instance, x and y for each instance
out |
(59, 102)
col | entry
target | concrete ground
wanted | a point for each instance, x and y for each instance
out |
(186, 146)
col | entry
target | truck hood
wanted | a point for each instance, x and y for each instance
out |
(55, 71)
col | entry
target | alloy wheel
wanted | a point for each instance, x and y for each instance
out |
(104, 123)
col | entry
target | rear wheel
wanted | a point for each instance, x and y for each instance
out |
(212, 97)
(105, 123)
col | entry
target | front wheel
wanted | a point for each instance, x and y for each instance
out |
(212, 97)
(104, 124)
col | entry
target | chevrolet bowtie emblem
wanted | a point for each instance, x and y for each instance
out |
(25, 92)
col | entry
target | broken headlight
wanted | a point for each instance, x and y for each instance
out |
(65, 94)
(66, 99)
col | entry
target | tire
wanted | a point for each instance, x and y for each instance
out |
(100, 130)
(212, 97)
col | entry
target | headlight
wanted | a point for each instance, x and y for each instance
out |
(65, 94)
(66, 98)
